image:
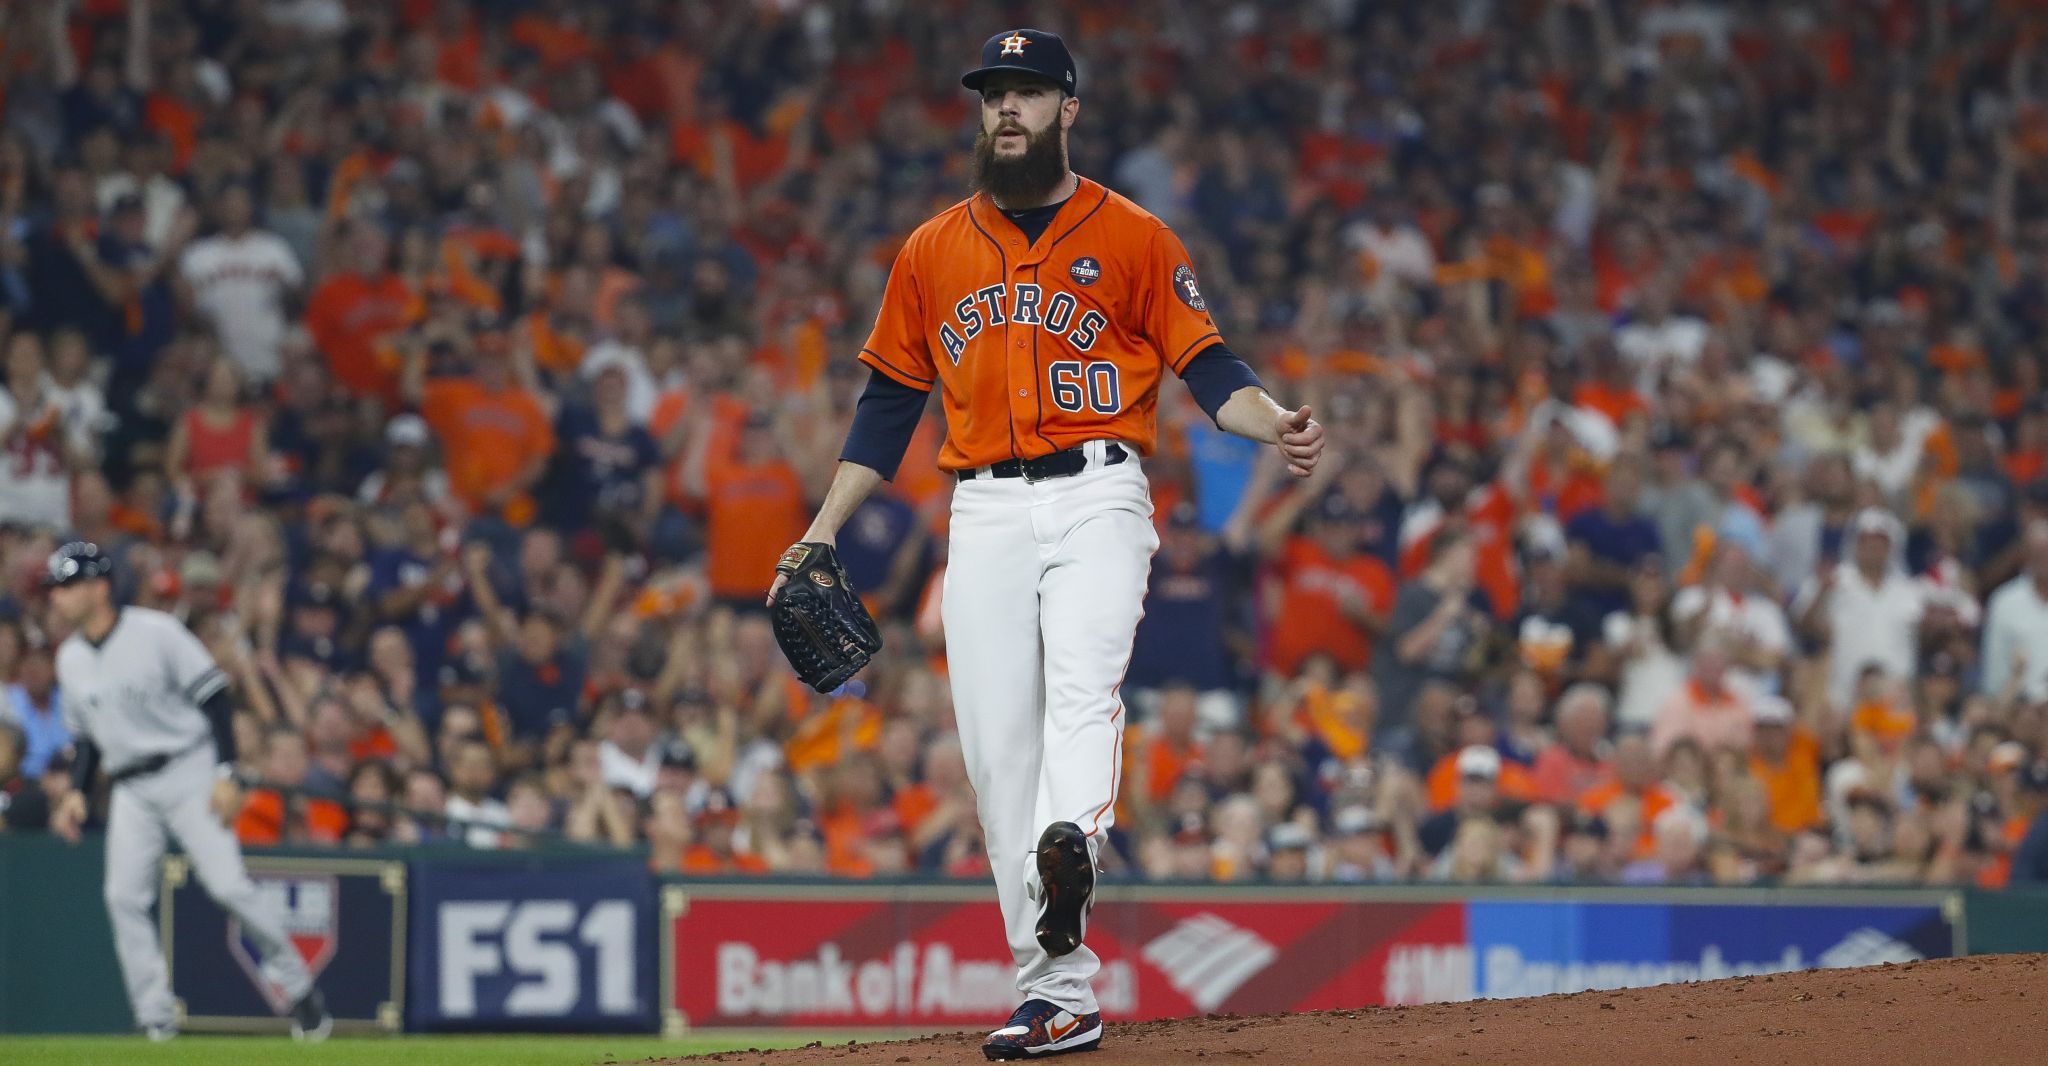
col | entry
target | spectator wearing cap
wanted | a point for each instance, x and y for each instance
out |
(406, 472)
(33, 706)
(1609, 543)
(131, 268)
(1785, 759)
(1357, 851)
(1578, 761)
(316, 620)
(712, 852)
(1477, 795)
(2016, 626)
(1866, 610)
(1290, 853)
(630, 755)
(1553, 630)
(494, 431)
(242, 280)
(1189, 626)
(2030, 859)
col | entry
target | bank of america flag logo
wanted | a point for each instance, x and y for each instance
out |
(1867, 947)
(1206, 958)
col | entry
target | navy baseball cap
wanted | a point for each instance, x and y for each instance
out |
(1028, 52)
(77, 561)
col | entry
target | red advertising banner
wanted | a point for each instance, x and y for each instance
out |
(820, 962)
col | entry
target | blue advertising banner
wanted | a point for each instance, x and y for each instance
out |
(1537, 948)
(566, 946)
(345, 918)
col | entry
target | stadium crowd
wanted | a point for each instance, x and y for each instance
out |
(458, 369)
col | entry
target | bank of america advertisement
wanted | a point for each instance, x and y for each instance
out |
(909, 961)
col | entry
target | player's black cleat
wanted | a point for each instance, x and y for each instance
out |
(1066, 878)
(310, 1021)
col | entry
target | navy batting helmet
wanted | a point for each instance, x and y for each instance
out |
(77, 561)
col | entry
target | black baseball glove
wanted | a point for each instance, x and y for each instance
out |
(821, 624)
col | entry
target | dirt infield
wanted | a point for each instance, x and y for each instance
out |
(1983, 1011)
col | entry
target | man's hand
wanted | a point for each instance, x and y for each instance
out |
(69, 816)
(782, 579)
(1301, 441)
(227, 800)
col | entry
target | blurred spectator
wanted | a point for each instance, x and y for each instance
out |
(2016, 626)
(1184, 638)
(1866, 608)
(34, 707)
(241, 280)
(1711, 709)
(2030, 859)
(23, 805)
(1578, 761)
(1439, 631)
(472, 812)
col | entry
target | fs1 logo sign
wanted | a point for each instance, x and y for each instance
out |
(517, 947)
(537, 941)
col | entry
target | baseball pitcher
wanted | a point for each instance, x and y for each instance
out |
(1047, 309)
(142, 695)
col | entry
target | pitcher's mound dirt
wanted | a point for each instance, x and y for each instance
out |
(1980, 1011)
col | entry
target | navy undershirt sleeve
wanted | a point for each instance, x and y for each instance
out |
(1214, 375)
(883, 423)
(220, 715)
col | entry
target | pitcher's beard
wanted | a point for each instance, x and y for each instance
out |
(1028, 179)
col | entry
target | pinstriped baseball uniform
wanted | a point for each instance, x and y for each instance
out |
(136, 695)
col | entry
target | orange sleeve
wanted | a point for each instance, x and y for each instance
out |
(1176, 317)
(898, 347)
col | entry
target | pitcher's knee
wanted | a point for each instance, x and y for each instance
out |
(122, 899)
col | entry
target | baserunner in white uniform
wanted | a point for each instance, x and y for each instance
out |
(143, 696)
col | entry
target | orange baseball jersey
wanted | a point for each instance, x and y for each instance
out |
(1041, 347)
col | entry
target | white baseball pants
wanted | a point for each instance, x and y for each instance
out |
(1045, 583)
(145, 813)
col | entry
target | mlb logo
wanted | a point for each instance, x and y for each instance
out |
(311, 924)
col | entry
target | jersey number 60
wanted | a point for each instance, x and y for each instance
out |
(1093, 387)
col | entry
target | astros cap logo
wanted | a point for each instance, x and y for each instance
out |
(1013, 45)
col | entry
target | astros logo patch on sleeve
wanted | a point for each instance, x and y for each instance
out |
(1184, 287)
